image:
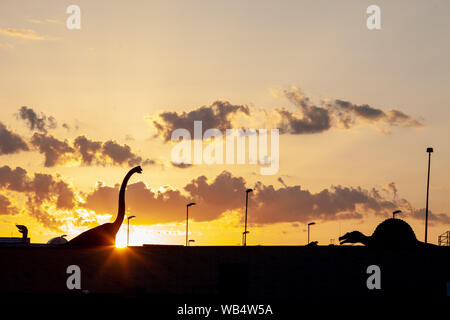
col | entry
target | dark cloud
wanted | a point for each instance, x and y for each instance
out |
(433, 218)
(37, 122)
(156, 206)
(167, 206)
(54, 150)
(88, 149)
(40, 189)
(85, 151)
(122, 154)
(10, 142)
(312, 120)
(267, 204)
(218, 115)
(307, 118)
(347, 113)
(316, 119)
(6, 208)
(96, 152)
(14, 180)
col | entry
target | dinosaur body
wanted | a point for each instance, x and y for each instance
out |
(391, 233)
(105, 234)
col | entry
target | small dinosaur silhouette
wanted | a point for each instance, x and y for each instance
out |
(24, 231)
(58, 240)
(391, 233)
(105, 234)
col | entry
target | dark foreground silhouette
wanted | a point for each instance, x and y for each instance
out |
(391, 233)
(105, 235)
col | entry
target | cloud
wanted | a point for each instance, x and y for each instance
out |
(122, 154)
(24, 33)
(85, 151)
(37, 122)
(102, 153)
(336, 113)
(87, 148)
(41, 190)
(307, 118)
(55, 151)
(312, 120)
(10, 142)
(347, 113)
(214, 197)
(267, 204)
(43, 186)
(218, 115)
(14, 180)
(433, 218)
(6, 208)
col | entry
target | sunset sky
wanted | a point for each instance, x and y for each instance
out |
(356, 110)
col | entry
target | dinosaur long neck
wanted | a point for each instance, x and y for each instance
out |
(121, 211)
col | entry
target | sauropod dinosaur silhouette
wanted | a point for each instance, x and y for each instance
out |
(105, 234)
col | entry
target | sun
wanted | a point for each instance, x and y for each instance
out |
(121, 239)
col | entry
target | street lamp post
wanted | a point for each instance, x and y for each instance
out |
(246, 206)
(128, 229)
(395, 212)
(310, 224)
(429, 150)
(187, 221)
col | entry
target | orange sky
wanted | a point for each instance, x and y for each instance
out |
(356, 110)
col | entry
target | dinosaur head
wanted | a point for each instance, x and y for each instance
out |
(22, 228)
(137, 169)
(353, 237)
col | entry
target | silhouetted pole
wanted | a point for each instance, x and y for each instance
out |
(128, 230)
(187, 221)
(429, 150)
(310, 224)
(246, 206)
(395, 212)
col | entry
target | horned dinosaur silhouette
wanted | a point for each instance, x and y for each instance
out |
(391, 233)
(105, 234)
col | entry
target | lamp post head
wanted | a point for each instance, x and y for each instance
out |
(249, 190)
(311, 223)
(396, 211)
(429, 150)
(131, 217)
(191, 204)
